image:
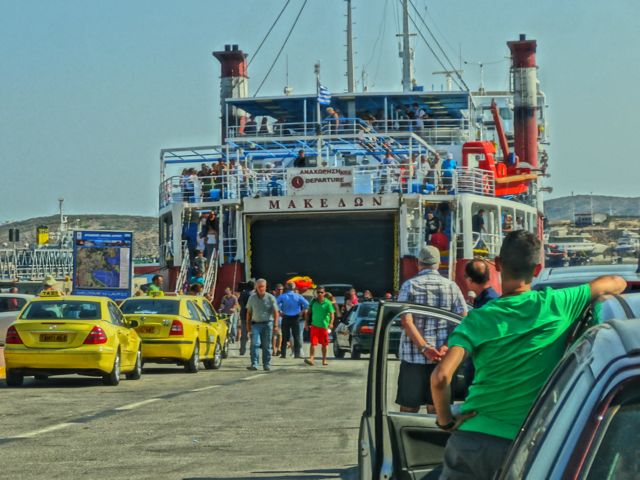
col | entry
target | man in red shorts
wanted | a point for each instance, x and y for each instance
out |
(322, 314)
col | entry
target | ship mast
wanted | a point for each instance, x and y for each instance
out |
(351, 86)
(407, 52)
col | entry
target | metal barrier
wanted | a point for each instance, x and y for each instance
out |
(484, 244)
(183, 276)
(367, 179)
(434, 131)
(211, 275)
(36, 264)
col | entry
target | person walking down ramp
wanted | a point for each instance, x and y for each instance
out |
(262, 320)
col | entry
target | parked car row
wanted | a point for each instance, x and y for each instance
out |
(58, 334)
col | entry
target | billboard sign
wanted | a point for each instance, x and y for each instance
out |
(103, 263)
(316, 181)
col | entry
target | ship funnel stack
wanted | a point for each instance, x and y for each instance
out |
(234, 83)
(523, 54)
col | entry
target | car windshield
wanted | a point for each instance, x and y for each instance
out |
(150, 306)
(63, 310)
(368, 311)
(11, 304)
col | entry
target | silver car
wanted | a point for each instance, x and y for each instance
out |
(10, 306)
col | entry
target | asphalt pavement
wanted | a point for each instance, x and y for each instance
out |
(296, 421)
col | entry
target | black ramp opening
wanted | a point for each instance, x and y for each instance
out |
(330, 249)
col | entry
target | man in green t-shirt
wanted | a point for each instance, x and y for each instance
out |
(322, 313)
(515, 342)
(155, 286)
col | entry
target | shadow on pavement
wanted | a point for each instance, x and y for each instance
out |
(350, 473)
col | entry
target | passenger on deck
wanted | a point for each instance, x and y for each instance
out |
(300, 161)
(507, 225)
(434, 225)
(251, 127)
(204, 174)
(399, 119)
(278, 128)
(432, 176)
(411, 116)
(418, 113)
(448, 169)
(264, 127)
(334, 120)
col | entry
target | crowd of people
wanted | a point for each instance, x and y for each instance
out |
(272, 322)
(506, 345)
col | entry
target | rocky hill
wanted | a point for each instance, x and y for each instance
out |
(563, 208)
(145, 229)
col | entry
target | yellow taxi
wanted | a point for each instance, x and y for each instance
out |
(58, 334)
(217, 321)
(175, 329)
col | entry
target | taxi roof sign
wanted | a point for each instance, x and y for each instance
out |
(50, 293)
(155, 293)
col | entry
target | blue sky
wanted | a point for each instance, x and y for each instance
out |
(91, 91)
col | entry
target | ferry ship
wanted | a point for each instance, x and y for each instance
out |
(341, 189)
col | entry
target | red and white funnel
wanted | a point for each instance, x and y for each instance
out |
(234, 83)
(525, 97)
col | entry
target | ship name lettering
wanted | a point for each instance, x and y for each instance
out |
(377, 201)
(341, 203)
(358, 202)
(323, 203)
(307, 203)
(274, 204)
(292, 204)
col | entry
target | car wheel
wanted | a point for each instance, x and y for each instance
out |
(355, 353)
(113, 378)
(337, 351)
(225, 347)
(14, 379)
(193, 364)
(136, 373)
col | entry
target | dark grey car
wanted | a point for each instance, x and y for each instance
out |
(584, 424)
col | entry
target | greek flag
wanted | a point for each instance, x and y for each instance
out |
(324, 96)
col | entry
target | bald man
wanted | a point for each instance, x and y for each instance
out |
(478, 278)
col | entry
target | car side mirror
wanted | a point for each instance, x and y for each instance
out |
(133, 324)
(213, 319)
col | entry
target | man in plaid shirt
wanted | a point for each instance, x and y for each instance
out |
(424, 339)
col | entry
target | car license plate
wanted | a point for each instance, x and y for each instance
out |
(53, 337)
(146, 329)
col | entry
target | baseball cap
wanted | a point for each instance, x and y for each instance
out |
(429, 255)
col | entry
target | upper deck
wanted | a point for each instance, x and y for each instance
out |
(369, 144)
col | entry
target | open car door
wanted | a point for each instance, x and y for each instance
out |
(402, 446)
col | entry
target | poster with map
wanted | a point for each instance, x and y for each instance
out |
(102, 263)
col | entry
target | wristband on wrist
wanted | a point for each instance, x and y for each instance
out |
(447, 426)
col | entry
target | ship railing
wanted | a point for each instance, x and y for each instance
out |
(482, 244)
(367, 179)
(475, 180)
(8, 270)
(328, 126)
(183, 275)
(35, 264)
(211, 274)
(434, 131)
